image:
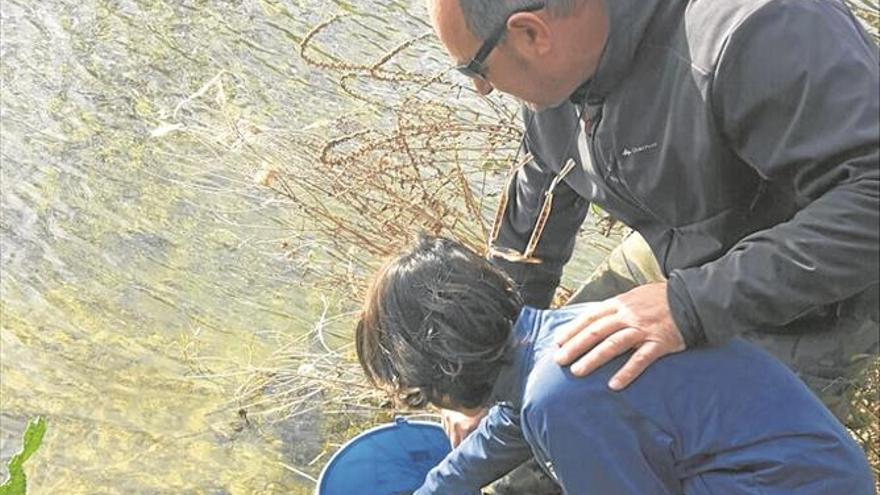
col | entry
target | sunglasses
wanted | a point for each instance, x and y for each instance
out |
(476, 68)
(527, 255)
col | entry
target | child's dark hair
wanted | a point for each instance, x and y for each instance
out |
(436, 325)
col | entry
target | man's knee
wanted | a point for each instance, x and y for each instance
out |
(629, 265)
(830, 362)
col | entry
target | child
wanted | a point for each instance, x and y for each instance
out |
(443, 326)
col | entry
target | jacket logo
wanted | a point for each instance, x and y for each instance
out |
(638, 149)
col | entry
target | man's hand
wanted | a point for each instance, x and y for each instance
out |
(458, 426)
(639, 319)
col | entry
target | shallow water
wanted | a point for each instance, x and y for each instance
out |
(139, 263)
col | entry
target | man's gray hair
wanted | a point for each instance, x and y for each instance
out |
(482, 16)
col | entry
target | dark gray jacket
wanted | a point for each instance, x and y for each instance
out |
(741, 138)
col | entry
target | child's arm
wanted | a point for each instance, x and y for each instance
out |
(494, 448)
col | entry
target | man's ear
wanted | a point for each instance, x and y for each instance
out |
(528, 34)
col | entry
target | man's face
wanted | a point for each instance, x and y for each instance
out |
(540, 61)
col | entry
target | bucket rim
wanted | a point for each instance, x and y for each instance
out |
(398, 422)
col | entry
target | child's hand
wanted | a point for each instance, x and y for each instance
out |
(458, 425)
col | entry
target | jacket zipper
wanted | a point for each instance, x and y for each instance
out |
(608, 174)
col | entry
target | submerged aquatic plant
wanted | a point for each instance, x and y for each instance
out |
(16, 484)
(428, 155)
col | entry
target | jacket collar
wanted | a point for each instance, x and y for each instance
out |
(628, 20)
(510, 384)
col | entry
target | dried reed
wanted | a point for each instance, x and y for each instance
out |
(429, 157)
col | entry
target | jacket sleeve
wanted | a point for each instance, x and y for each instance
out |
(488, 453)
(795, 94)
(537, 282)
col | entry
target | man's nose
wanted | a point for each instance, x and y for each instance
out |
(483, 87)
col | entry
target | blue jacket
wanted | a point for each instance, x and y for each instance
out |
(716, 420)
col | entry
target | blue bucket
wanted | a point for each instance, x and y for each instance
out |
(391, 459)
